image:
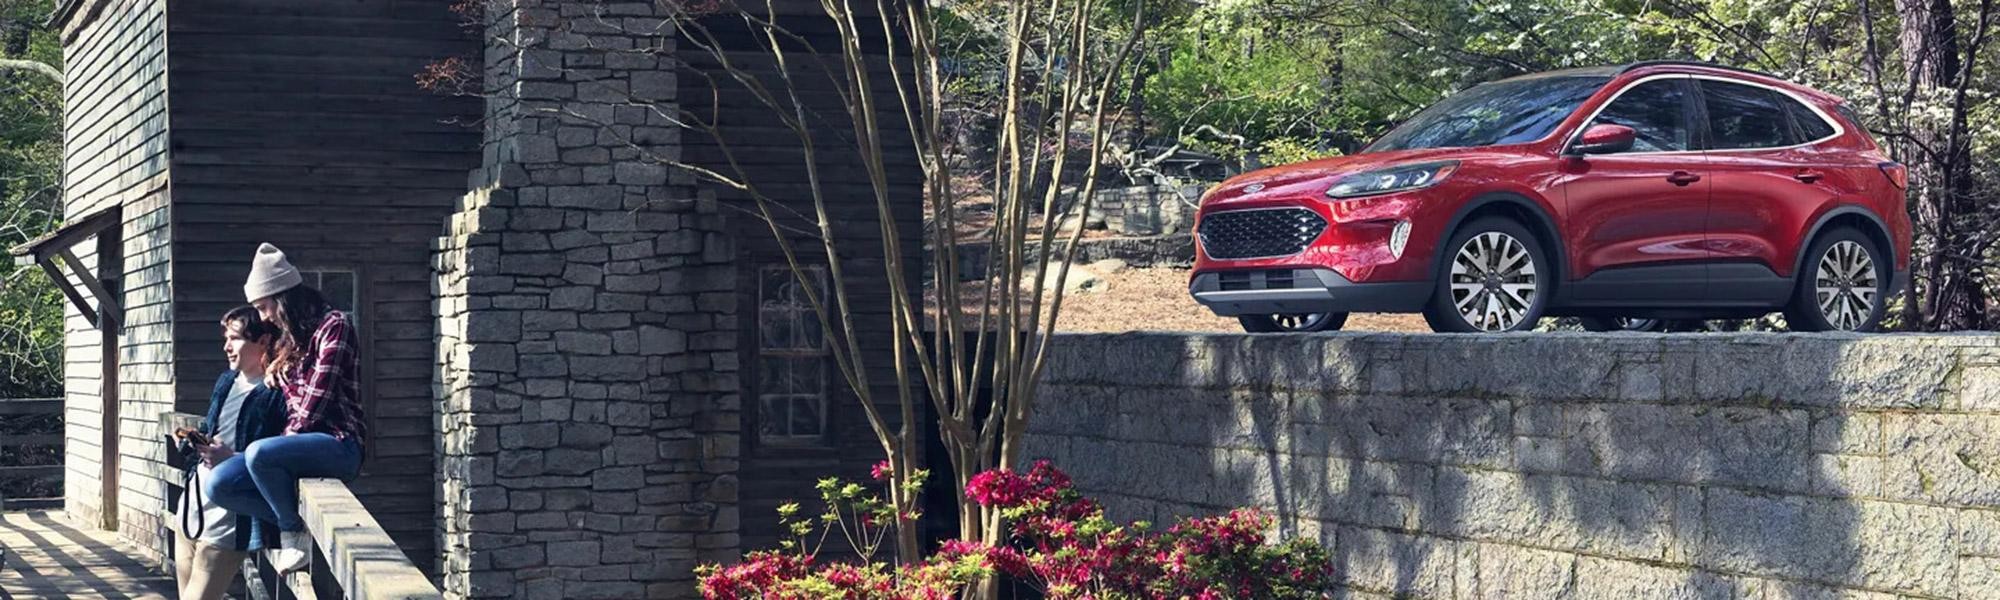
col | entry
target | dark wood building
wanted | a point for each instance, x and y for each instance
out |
(793, 440)
(208, 126)
(199, 128)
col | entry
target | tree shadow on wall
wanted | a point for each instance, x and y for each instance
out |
(1446, 466)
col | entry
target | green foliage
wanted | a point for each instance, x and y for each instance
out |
(1232, 68)
(1284, 151)
(1292, 80)
(30, 201)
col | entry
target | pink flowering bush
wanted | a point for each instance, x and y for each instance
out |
(1061, 544)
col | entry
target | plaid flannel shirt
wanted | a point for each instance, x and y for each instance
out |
(323, 394)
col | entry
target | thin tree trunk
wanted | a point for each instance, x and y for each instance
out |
(1941, 183)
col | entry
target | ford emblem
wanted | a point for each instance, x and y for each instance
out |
(1254, 188)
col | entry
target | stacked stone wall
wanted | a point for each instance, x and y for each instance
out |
(1560, 465)
(588, 399)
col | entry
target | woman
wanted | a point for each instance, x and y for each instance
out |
(313, 363)
(242, 410)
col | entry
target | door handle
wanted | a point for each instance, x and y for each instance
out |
(1683, 178)
(1808, 176)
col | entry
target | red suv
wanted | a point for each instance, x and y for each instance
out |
(1650, 191)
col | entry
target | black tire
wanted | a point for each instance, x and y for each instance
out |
(1830, 265)
(1304, 323)
(1500, 308)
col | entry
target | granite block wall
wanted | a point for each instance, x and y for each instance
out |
(1560, 465)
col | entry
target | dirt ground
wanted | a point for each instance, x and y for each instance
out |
(1156, 299)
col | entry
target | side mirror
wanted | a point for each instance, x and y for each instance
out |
(1604, 139)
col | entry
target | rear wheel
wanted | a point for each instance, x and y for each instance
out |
(1843, 286)
(1293, 323)
(1495, 278)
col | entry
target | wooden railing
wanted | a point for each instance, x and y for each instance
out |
(352, 556)
(19, 443)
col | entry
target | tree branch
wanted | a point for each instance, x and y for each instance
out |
(16, 64)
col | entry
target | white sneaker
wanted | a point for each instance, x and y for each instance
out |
(294, 555)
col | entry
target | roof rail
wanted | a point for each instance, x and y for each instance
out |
(1692, 63)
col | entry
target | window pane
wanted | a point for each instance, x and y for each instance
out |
(781, 288)
(789, 329)
(777, 330)
(792, 375)
(1655, 110)
(1810, 123)
(806, 413)
(773, 416)
(785, 319)
(1741, 116)
(339, 289)
(1854, 121)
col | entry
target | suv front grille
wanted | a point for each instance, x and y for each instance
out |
(1270, 279)
(1259, 233)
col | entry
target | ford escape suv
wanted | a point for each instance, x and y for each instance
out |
(1650, 191)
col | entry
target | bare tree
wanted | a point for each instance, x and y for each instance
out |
(1056, 88)
(883, 62)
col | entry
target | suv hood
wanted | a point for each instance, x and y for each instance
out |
(1313, 177)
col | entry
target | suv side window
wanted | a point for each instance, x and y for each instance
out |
(1811, 125)
(1854, 122)
(1656, 110)
(1742, 116)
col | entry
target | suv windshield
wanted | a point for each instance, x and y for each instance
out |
(1490, 114)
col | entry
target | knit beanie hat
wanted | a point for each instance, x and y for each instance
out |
(270, 274)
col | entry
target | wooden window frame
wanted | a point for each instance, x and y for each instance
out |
(758, 382)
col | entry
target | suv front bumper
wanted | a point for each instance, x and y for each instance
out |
(1301, 291)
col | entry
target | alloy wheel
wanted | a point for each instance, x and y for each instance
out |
(1493, 281)
(1637, 324)
(1299, 322)
(1846, 285)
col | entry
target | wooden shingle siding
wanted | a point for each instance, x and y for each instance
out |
(774, 474)
(115, 116)
(115, 154)
(299, 122)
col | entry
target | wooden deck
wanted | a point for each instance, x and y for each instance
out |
(49, 557)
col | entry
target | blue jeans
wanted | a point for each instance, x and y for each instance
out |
(263, 481)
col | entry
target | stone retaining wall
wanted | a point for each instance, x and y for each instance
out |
(1561, 465)
(1146, 210)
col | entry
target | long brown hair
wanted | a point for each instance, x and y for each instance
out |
(298, 314)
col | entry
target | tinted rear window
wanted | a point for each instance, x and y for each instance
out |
(1853, 120)
(1811, 126)
(1743, 116)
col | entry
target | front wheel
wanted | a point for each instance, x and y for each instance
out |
(1496, 278)
(1843, 286)
(1294, 323)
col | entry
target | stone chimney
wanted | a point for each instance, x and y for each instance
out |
(586, 302)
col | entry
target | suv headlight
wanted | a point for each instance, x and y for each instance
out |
(1395, 179)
